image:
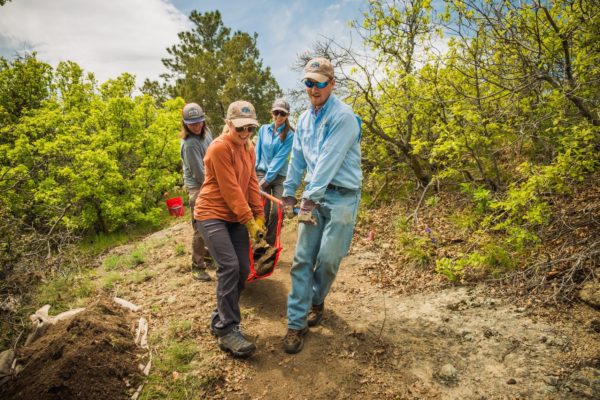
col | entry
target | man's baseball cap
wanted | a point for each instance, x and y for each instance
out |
(242, 113)
(192, 113)
(318, 69)
(281, 105)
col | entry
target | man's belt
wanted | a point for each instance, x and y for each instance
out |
(340, 189)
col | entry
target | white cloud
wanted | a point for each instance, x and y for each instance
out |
(287, 36)
(106, 37)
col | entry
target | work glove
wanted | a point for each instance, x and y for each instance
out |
(305, 214)
(260, 221)
(263, 184)
(288, 206)
(254, 230)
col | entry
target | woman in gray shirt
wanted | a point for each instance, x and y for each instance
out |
(195, 138)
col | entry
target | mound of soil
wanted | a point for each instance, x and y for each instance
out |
(91, 356)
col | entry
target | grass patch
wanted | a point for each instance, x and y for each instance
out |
(172, 375)
(138, 256)
(141, 276)
(113, 262)
(179, 250)
(119, 261)
(179, 329)
(96, 244)
(110, 280)
(65, 292)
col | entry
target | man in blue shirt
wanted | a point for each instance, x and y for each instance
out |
(326, 152)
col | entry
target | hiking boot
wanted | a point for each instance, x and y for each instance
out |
(200, 274)
(235, 343)
(315, 315)
(294, 340)
(214, 333)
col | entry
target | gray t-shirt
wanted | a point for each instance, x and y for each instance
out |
(193, 150)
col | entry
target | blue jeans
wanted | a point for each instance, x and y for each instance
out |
(229, 246)
(320, 249)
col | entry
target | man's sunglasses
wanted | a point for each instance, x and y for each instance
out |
(320, 85)
(277, 113)
(249, 128)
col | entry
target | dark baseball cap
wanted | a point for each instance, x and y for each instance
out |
(281, 105)
(192, 113)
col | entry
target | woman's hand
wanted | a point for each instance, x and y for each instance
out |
(256, 231)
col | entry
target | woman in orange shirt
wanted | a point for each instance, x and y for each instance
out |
(230, 209)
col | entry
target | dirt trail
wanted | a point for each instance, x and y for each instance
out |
(457, 343)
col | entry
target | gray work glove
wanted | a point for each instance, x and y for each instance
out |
(305, 215)
(288, 206)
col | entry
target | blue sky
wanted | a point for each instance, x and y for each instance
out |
(109, 37)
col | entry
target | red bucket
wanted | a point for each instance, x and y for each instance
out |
(175, 206)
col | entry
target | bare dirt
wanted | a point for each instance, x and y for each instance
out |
(93, 355)
(446, 343)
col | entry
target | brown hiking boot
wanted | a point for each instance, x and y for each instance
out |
(294, 340)
(315, 315)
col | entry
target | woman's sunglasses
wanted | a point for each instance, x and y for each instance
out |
(249, 128)
(320, 85)
(277, 113)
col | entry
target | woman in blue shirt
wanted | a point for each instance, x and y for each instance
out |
(272, 152)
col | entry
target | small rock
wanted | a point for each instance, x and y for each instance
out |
(511, 381)
(448, 373)
(550, 380)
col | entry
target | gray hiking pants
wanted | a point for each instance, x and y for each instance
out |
(229, 246)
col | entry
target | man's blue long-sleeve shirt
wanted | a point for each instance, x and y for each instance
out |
(327, 147)
(271, 154)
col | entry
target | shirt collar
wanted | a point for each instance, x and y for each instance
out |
(279, 130)
(325, 106)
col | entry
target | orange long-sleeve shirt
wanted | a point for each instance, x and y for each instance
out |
(230, 189)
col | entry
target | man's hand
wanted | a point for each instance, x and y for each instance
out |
(263, 184)
(288, 206)
(256, 233)
(305, 214)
